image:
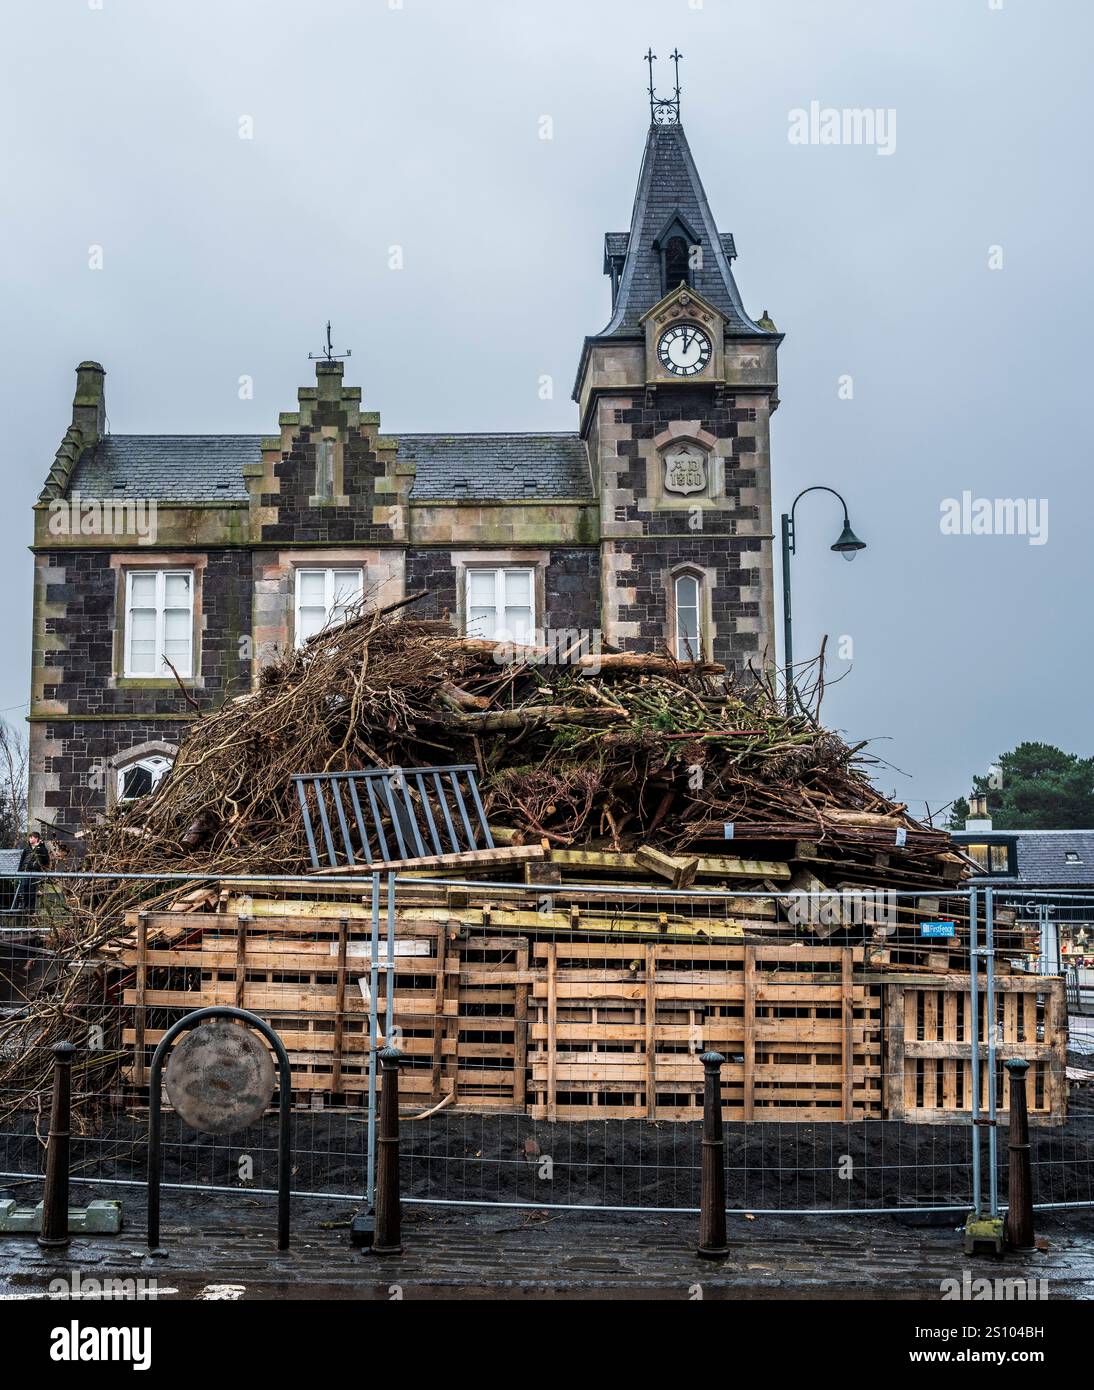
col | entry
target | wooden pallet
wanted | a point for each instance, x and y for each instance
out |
(498, 1008)
(619, 1028)
(928, 1065)
(457, 1000)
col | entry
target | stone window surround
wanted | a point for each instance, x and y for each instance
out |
(535, 560)
(279, 567)
(683, 432)
(120, 761)
(707, 578)
(122, 563)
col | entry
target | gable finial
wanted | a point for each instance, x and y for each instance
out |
(665, 110)
(328, 354)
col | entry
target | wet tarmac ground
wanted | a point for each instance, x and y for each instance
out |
(222, 1248)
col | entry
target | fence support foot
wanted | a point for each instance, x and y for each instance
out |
(983, 1233)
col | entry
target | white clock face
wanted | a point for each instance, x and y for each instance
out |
(684, 349)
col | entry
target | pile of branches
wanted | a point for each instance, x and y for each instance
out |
(597, 751)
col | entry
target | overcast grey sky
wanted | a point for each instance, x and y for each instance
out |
(417, 124)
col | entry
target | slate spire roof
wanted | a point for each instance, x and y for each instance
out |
(670, 191)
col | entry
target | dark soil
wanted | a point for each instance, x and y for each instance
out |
(454, 1156)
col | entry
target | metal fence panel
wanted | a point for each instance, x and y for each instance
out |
(552, 1036)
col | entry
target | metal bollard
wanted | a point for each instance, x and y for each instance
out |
(388, 1238)
(712, 1192)
(1019, 1225)
(54, 1233)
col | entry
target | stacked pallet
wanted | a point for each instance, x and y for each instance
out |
(578, 1011)
(928, 1065)
(619, 1029)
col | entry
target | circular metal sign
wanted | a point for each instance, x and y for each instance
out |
(220, 1077)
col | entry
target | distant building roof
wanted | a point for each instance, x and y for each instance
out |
(1044, 858)
(209, 467)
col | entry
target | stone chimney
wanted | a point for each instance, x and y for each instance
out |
(978, 818)
(89, 403)
(328, 379)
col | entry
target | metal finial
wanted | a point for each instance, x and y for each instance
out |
(664, 110)
(328, 354)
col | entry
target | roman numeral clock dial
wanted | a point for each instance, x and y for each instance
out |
(683, 350)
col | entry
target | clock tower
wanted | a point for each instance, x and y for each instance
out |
(675, 396)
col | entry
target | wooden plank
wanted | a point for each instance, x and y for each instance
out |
(139, 1011)
(339, 1006)
(749, 1041)
(893, 1015)
(520, 1028)
(468, 859)
(847, 1053)
(650, 1077)
(679, 870)
(241, 959)
(552, 1025)
(709, 866)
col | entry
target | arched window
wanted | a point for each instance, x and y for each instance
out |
(142, 777)
(687, 597)
(677, 263)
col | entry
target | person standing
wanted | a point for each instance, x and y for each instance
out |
(33, 860)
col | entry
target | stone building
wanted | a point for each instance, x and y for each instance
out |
(648, 527)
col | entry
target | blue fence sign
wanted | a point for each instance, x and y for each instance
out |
(937, 929)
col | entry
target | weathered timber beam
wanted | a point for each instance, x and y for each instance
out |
(475, 858)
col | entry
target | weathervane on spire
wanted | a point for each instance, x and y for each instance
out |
(328, 354)
(665, 110)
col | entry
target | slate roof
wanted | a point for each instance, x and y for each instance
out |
(506, 466)
(209, 467)
(167, 467)
(669, 184)
(1042, 855)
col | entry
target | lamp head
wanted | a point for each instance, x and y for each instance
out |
(848, 544)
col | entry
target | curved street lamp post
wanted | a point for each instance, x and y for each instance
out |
(848, 545)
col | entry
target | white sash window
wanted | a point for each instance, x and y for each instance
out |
(689, 637)
(323, 597)
(501, 604)
(159, 622)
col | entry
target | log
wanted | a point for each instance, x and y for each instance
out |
(531, 717)
(459, 700)
(588, 663)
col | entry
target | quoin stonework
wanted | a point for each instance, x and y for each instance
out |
(649, 525)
